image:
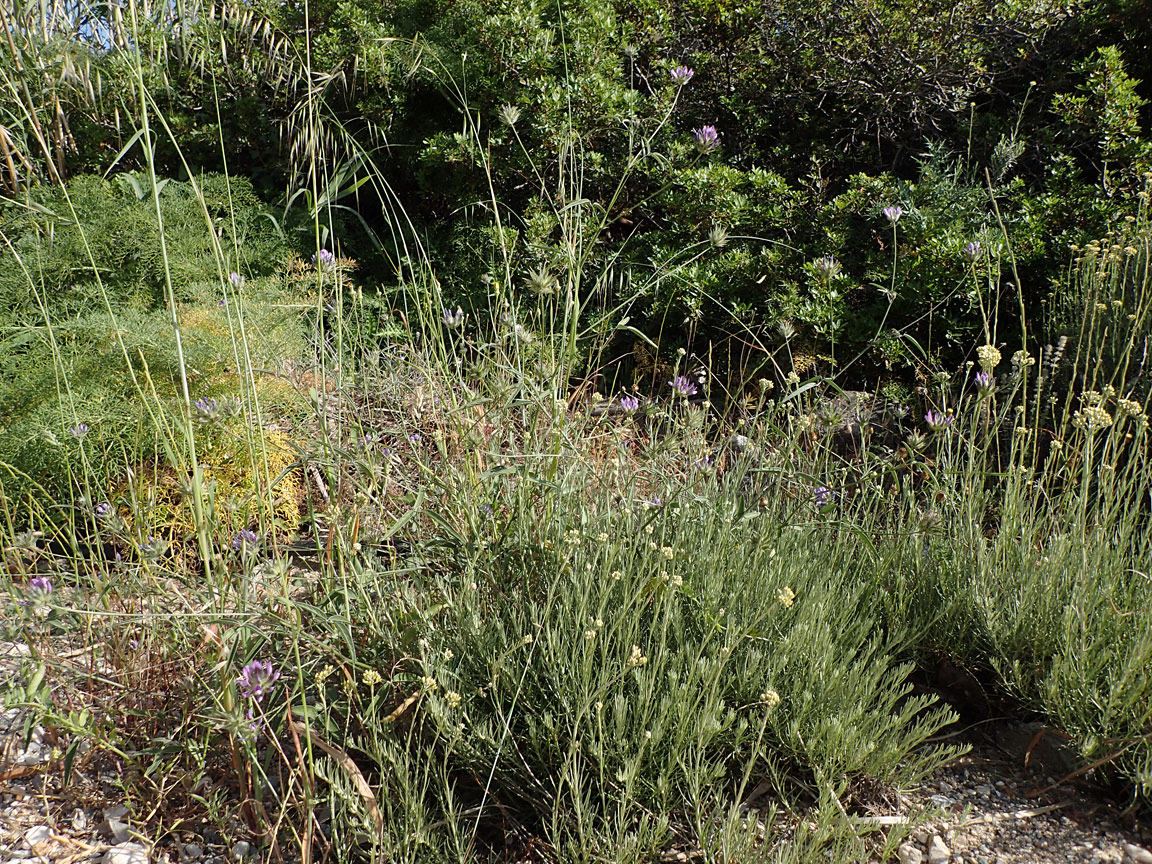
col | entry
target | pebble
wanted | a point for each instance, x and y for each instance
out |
(240, 850)
(938, 852)
(126, 853)
(37, 834)
(1136, 855)
(190, 852)
(909, 853)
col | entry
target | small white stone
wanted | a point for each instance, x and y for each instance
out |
(910, 854)
(126, 853)
(37, 834)
(191, 852)
(240, 850)
(1136, 855)
(938, 852)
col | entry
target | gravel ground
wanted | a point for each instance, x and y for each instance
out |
(993, 808)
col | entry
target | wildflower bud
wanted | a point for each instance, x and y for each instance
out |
(681, 75)
(893, 214)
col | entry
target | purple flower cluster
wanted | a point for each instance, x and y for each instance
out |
(893, 213)
(629, 404)
(237, 280)
(79, 430)
(681, 75)
(707, 139)
(938, 422)
(246, 539)
(682, 385)
(985, 383)
(257, 679)
(324, 259)
(39, 588)
(972, 251)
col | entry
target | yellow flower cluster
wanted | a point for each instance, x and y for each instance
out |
(770, 698)
(786, 597)
(1092, 418)
(1130, 407)
(636, 658)
(989, 356)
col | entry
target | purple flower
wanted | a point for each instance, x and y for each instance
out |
(972, 251)
(256, 679)
(453, 319)
(707, 139)
(236, 279)
(207, 408)
(893, 213)
(324, 259)
(938, 422)
(223, 302)
(246, 539)
(415, 439)
(103, 510)
(683, 386)
(79, 430)
(39, 588)
(629, 404)
(985, 382)
(681, 75)
(821, 495)
(827, 268)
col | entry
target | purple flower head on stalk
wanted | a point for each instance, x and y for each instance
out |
(103, 510)
(972, 251)
(453, 319)
(893, 213)
(707, 139)
(257, 679)
(79, 430)
(415, 439)
(39, 588)
(827, 268)
(821, 495)
(153, 547)
(985, 382)
(324, 259)
(629, 404)
(682, 385)
(236, 279)
(223, 302)
(246, 539)
(681, 75)
(704, 462)
(938, 422)
(207, 408)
